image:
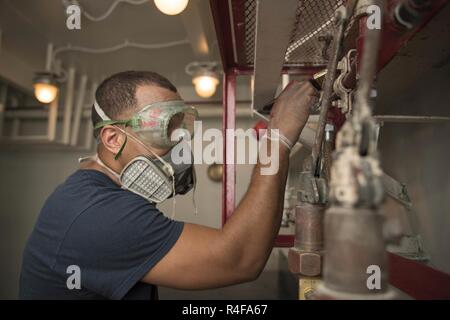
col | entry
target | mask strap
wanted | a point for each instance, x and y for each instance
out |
(100, 162)
(95, 158)
(166, 165)
(88, 158)
(100, 112)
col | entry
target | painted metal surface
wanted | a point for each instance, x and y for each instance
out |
(229, 122)
(417, 279)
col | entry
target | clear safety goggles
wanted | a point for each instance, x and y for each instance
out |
(162, 124)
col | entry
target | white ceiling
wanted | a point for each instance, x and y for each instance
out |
(27, 26)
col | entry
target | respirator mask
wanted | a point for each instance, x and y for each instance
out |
(162, 125)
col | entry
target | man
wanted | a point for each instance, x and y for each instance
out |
(116, 241)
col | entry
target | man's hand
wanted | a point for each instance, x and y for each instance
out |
(291, 109)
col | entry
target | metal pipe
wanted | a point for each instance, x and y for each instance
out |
(362, 107)
(52, 119)
(68, 106)
(309, 227)
(89, 129)
(49, 57)
(305, 260)
(78, 110)
(340, 21)
(89, 136)
(354, 242)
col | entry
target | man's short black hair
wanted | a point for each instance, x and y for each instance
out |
(117, 94)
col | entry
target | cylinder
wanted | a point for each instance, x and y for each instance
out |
(354, 244)
(309, 227)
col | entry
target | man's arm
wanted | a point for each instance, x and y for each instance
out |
(205, 257)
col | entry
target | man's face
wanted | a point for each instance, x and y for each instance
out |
(145, 95)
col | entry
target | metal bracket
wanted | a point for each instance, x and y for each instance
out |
(345, 94)
(396, 190)
(312, 190)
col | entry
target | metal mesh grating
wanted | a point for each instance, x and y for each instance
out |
(250, 26)
(308, 46)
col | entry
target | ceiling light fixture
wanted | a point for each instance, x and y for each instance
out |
(45, 86)
(171, 7)
(45, 82)
(204, 77)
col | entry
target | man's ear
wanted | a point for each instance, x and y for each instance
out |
(112, 138)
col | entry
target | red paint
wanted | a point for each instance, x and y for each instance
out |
(417, 279)
(229, 122)
(222, 24)
(284, 241)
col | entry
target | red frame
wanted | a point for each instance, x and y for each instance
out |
(416, 279)
(229, 122)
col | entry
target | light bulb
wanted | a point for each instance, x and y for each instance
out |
(45, 92)
(205, 85)
(171, 7)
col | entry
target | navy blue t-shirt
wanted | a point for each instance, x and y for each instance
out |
(112, 235)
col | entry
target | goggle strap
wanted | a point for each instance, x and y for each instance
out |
(127, 123)
(116, 157)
